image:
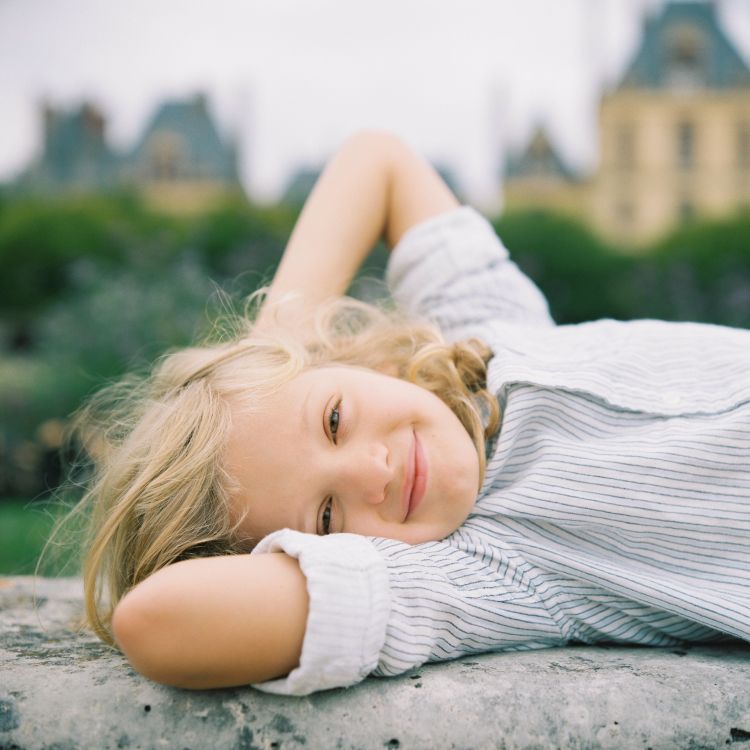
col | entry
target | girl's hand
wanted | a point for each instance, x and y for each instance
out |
(375, 187)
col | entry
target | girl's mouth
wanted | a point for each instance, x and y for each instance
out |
(416, 476)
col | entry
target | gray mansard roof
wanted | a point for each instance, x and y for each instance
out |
(74, 153)
(202, 152)
(685, 46)
(538, 159)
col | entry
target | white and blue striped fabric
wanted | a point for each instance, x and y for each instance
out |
(616, 502)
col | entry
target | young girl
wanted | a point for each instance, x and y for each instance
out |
(406, 499)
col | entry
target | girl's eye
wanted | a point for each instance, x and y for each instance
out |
(333, 421)
(325, 519)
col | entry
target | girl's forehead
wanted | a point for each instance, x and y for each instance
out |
(337, 372)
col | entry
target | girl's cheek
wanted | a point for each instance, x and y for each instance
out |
(336, 525)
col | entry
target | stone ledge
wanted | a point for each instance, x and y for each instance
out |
(62, 691)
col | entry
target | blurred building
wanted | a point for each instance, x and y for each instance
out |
(674, 136)
(74, 155)
(538, 177)
(180, 163)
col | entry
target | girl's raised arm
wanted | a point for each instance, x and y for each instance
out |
(376, 186)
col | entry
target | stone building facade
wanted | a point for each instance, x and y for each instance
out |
(674, 134)
(539, 178)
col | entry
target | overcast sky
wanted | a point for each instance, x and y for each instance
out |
(461, 80)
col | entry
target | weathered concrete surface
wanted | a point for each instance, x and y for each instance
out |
(60, 691)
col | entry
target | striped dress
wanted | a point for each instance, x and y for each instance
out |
(616, 501)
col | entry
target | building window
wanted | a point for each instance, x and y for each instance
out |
(164, 166)
(541, 158)
(743, 146)
(626, 146)
(166, 158)
(686, 58)
(686, 145)
(626, 214)
(686, 210)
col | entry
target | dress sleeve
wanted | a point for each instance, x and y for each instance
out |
(383, 607)
(453, 270)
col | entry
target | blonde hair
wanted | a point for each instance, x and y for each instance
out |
(159, 491)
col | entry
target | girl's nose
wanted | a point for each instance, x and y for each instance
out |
(369, 474)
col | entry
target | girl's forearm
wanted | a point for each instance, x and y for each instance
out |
(216, 621)
(342, 219)
(375, 187)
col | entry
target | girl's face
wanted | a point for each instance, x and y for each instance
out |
(346, 449)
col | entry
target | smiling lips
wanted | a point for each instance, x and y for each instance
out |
(415, 479)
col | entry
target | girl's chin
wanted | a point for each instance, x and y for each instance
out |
(426, 533)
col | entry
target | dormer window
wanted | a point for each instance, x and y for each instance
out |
(686, 210)
(166, 157)
(743, 146)
(686, 63)
(625, 154)
(686, 145)
(541, 157)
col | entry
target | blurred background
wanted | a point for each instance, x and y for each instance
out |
(154, 151)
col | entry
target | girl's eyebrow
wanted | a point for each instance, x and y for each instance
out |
(306, 411)
(302, 512)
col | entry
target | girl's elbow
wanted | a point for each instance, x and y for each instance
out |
(376, 143)
(144, 637)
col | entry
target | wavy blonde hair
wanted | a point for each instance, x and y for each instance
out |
(159, 491)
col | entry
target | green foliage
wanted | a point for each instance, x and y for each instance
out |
(41, 239)
(243, 241)
(122, 320)
(31, 391)
(44, 242)
(699, 273)
(703, 273)
(580, 276)
(24, 530)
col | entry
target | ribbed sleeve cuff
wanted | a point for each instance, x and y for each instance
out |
(350, 604)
